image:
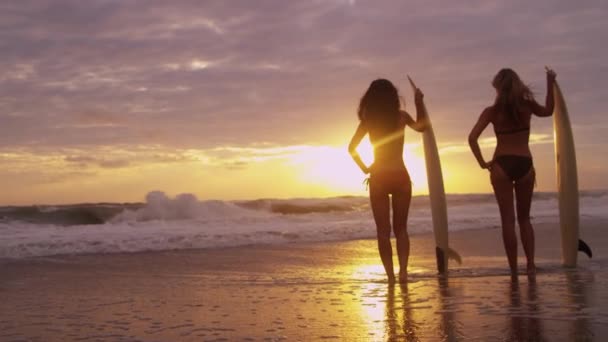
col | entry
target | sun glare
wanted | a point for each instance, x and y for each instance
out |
(333, 168)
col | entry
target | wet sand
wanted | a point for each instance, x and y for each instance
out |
(304, 292)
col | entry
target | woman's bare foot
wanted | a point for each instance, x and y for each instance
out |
(514, 276)
(531, 270)
(391, 279)
(403, 276)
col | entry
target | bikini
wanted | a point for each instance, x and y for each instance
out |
(514, 166)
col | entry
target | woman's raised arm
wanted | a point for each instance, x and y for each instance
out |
(422, 121)
(547, 110)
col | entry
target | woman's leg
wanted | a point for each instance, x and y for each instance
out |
(503, 190)
(524, 188)
(402, 197)
(380, 208)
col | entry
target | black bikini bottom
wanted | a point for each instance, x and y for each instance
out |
(514, 166)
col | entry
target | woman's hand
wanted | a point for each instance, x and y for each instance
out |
(369, 169)
(551, 75)
(487, 165)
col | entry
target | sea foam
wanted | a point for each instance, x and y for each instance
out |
(184, 222)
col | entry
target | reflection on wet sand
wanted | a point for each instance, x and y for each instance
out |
(391, 316)
(554, 308)
(406, 331)
(525, 324)
(448, 325)
(568, 320)
(578, 283)
(408, 319)
(409, 325)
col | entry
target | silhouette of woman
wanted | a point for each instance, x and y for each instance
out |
(511, 167)
(381, 117)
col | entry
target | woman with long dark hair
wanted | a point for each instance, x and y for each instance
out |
(381, 117)
(511, 168)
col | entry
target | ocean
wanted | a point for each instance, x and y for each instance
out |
(184, 222)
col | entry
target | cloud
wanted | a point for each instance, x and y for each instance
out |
(198, 64)
(85, 161)
(88, 75)
(260, 68)
(112, 157)
(80, 159)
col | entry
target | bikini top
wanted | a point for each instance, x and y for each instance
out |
(511, 131)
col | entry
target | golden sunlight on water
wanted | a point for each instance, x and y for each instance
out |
(394, 311)
(372, 308)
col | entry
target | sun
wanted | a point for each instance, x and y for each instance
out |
(333, 168)
(414, 162)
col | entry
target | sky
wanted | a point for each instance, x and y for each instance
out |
(106, 100)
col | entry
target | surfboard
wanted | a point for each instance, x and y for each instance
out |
(567, 182)
(439, 211)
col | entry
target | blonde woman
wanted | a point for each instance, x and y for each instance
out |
(511, 168)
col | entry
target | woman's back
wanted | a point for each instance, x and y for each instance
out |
(388, 145)
(512, 137)
(381, 117)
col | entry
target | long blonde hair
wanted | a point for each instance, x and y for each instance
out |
(512, 93)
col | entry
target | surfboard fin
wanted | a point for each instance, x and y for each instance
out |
(583, 247)
(452, 254)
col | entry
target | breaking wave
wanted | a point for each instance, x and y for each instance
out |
(182, 222)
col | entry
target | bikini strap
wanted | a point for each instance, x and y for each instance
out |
(511, 131)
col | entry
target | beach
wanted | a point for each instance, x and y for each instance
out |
(226, 170)
(309, 291)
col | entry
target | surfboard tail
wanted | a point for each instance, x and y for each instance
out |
(583, 247)
(441, 264)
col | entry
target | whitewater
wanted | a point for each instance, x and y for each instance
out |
(184, 222)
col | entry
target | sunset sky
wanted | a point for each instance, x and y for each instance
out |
(106, 100)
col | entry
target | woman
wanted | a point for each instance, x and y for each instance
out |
(511, 167)
(381, 117)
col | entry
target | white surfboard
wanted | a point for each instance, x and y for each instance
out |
(567, 182)
(439, 210)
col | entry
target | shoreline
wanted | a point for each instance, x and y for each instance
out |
(455, 237)
(311, 291)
